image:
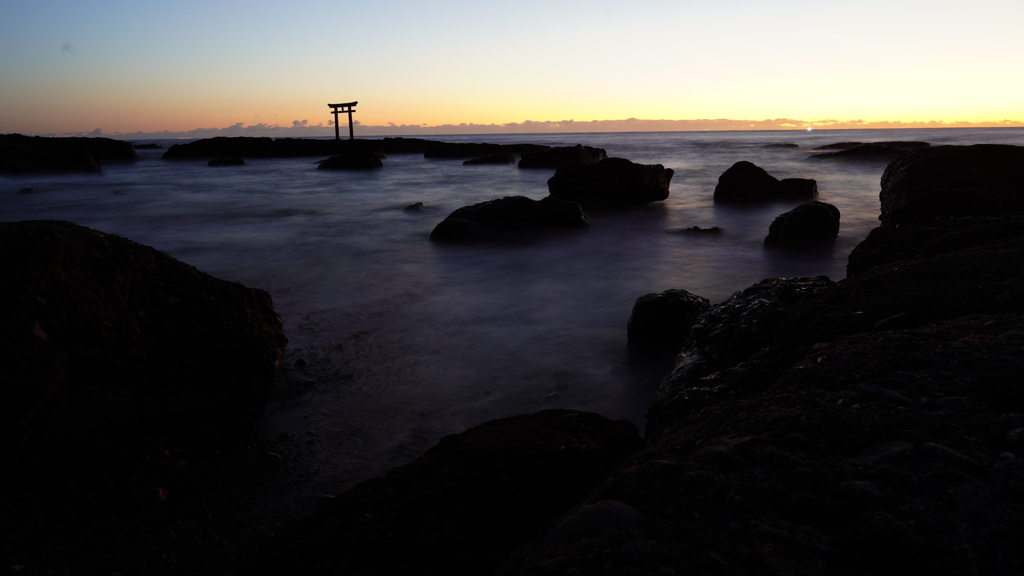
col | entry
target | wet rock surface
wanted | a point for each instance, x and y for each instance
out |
(507, 219)
(811, 225)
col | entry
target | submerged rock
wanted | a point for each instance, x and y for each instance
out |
(612, 181)
(870, 151)
(492, 159)
(512, 214)
(354, 160)
(810, 225)
(746, 182)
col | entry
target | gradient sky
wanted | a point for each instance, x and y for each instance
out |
(137, 66)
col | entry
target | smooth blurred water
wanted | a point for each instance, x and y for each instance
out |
(404, 340)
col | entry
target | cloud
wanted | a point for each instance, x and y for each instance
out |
(296, 123)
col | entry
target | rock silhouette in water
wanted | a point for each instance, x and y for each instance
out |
(745, 182)
(496, 219)
(811, 225)
(612, 181)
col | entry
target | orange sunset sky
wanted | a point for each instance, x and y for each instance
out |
(131, 68)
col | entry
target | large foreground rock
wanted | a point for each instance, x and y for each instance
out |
(612, 181)
(868, 426)
(745, 182)
(103, 338)
(508, 216)
(953, 181)
(461, 508)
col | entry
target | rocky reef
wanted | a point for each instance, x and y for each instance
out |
(31, 154)
(870, 425)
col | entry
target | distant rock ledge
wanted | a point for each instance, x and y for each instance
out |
(33, 154)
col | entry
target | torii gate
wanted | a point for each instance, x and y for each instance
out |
(345, 107)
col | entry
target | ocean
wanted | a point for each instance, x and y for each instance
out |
(395, 341)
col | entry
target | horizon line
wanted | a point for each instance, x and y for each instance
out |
(303, 129)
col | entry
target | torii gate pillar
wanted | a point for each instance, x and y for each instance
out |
(337, 109)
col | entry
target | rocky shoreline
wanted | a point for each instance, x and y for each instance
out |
(870, 425)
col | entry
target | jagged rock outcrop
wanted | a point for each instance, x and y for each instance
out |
(508, 216)
(31, 154)
(555, 157)
(811, 225)
(461, 508)
(745, 182)
(612, 181)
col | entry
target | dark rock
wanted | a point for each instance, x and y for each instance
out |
(102, 334)
(31, 154)
(872, 151)
(747, 182)
(953, 181)
(810, 225)
(612, 181)
(734, 330)
(880, 413)
(416, 207)
(512, 214)
(27, 190)
(555, 157)
(466, 504)
(493, 159)
(713, 230)
(797, 189)
(782, 145)
(886, 245)
(663, 320)
(354, 160)
(222, 147)
(232, 161)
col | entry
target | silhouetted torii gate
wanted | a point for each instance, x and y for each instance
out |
(339, 108)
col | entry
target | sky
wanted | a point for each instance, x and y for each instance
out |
(142, 67)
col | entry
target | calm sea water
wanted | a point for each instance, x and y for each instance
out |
(404, 340)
